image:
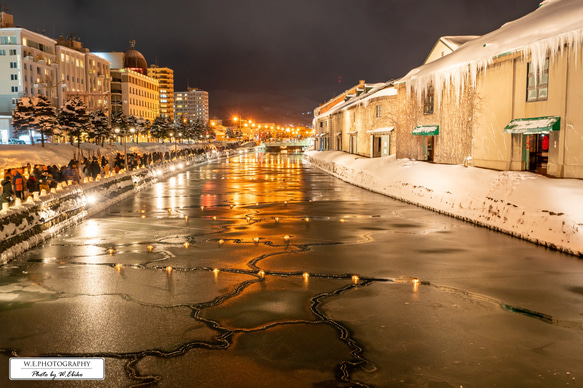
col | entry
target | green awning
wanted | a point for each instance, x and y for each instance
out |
(426, 130)
(534, 125)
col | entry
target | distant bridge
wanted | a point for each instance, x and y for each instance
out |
(287, 145)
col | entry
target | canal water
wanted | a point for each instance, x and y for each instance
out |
(261, 271)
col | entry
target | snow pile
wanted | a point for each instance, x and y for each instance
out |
(529, 206)
(554, 26)
(17, 155)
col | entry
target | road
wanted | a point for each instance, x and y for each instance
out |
(259, 271)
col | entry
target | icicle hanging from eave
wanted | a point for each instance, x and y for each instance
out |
(455, 77)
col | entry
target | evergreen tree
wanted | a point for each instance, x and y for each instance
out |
(142, 126)
(119, 123)
(35, 113)
(100, 123)
(160, 128)
(23, 116)
(199, 129)
(132, 122)
(74, 119)
(46, 119)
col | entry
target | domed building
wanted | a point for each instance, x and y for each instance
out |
(134, 60)
(133, 92)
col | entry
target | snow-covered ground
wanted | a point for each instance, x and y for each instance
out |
(533, 207)
(18, 155)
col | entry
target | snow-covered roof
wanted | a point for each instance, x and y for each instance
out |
(454, 42)
(548, 29)
(377, 90)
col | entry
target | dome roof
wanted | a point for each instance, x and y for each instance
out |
(134, 60)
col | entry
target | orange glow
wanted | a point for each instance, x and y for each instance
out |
(186, 244)
(150, 248)
(169, 269)
(111, 251)
(355, 279)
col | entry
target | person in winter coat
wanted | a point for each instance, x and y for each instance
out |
(31, 185)
(71, 174)
(94, 168)
(18, 184)
(7, 191)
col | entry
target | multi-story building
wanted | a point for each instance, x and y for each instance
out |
(191, 106)
(81, 73)
(34, 64)
(132, 91)
(27, 66)
(165, 78)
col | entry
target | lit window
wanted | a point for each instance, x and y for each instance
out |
(428, 100)
(538, 83)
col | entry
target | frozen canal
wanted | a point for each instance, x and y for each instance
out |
(262, 272)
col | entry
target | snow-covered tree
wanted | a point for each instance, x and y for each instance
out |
(74, 119)
(100, 123)
(119, 123)
(46, 121)
(160, 128)
(35, 113)
(143, 126)
(23, 116)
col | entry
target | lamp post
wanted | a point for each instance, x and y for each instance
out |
(125, 146)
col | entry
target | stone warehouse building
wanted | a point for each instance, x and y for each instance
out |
(506, 100)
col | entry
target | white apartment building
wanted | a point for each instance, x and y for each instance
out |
(26, 59)
(33, 64)
(192, 105)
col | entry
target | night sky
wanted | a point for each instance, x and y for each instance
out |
(270, 60)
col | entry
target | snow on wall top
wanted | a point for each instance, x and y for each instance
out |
(541, 33)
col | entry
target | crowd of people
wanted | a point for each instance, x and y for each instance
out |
(23, 182)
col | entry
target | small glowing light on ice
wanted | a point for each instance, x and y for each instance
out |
(169, 269)
(111, 251)
(256, 239)
(118, 267)
(261, 274)
(216, 271)
(307, 219)
(355, 279)
(286, 238)
(215, 218)
(276, 219)
(150, 248)
(221, 242)
(342, 220)
(306, 275)
(202, 208)
(186, 244)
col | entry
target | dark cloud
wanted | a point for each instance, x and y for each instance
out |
(269, 57)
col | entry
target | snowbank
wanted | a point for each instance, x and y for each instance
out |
(542, 210)
(18, 155)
